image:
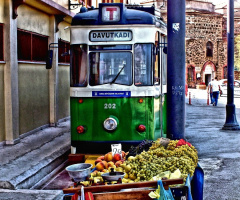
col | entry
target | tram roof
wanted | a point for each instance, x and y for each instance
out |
(130, 15)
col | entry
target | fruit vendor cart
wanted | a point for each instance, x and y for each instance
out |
(140, 174)
(138, 191)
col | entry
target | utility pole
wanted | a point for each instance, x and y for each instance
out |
(231, 120)
(176, 69)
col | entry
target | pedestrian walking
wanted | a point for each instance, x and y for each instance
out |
(216, 88)
(209, 91)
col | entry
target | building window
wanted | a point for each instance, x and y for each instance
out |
(63, 49)
(225, 70)
(32, 46)
(209, 49)
(1, 42)
(191, 73)
(88, 3)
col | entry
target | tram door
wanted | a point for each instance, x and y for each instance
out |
(162, 46)
(159, 82)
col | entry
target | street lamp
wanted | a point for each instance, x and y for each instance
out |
(231, 120)
(176, 69)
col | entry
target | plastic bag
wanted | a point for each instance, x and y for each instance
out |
(82, 193)
(164, 194)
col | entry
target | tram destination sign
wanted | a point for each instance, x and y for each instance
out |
(102, 36)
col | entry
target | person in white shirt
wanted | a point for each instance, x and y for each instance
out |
(209, 91)
(215, 90)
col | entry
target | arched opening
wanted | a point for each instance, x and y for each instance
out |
(209, 72)
(209, 49)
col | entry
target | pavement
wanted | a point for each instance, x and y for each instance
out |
(28, 164)
(40, 156)
(218, 149)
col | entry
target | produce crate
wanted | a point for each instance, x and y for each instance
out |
(133, 191)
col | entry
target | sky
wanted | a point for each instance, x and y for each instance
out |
(222, 1)
(214, 1)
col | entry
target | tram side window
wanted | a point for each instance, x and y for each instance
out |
(163, 58)
(156, 59)
(79, 66)
(143, 64)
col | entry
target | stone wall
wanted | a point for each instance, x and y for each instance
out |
(203, 27)
(200, 29)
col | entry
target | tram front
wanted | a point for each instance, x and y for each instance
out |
(117, 78)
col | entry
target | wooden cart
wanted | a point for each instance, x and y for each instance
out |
(127, 191)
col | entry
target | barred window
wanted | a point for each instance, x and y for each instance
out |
(63, 49)
(32, 46)
(1, 42)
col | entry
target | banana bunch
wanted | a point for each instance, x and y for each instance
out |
(85, 183)
(155, 194)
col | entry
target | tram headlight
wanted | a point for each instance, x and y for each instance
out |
(141, 128)
(80, 129)
(110, 124)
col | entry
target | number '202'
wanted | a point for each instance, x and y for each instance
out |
(109, 106)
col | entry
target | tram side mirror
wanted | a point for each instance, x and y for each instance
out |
(165, 50)
(49, 59)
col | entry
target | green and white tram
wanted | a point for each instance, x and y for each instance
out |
(118, 77)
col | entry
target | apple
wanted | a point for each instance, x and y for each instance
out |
(100, 166)
(118, 163)
(97, 161)
(110, 164)
(105, 164)
(101, 157)
(108, 157)
(117, 157)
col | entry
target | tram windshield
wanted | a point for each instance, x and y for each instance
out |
(110, 67)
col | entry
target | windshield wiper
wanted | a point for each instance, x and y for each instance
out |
(113, 81)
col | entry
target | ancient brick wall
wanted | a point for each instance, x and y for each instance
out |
(202, 27)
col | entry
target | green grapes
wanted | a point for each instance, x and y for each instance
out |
(159, 159)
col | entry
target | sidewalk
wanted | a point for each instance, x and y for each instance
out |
(33, 159)
(218, 150)
(219, 154)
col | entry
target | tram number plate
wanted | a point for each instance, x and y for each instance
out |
(109, 106)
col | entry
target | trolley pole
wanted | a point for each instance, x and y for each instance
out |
(231, 120)
(176, 69)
